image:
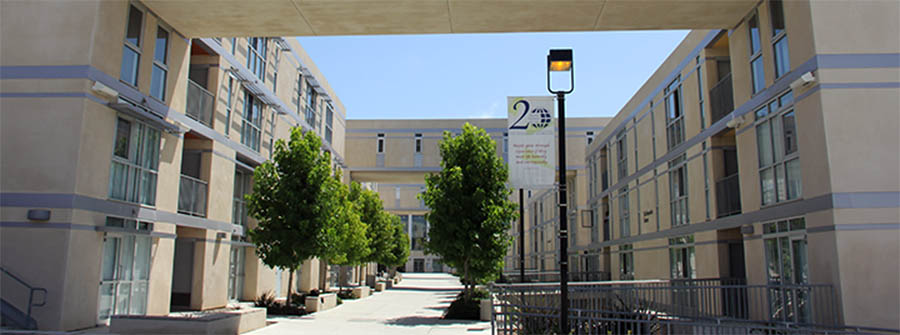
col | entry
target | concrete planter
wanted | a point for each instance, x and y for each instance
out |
(226, 322)
(380, 286)
(487, 306)
(323, 302)
(361, 292)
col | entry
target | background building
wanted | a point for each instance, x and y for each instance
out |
(396, 155)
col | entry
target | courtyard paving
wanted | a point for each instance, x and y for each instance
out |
(414, 306)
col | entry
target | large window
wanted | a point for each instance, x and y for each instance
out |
(674, 114)
(786, 264)
(621, 155)
(311, 97)
(624, 214)
(678, 191)
(682, 264)
(256, 57)
(757, 73)
(329, 123)
(131, 52)
(379, 145)
(242, 187)
(160, 65)
(135, 162)
(626, 262)
(124, 270)
(776, 140)
(252, 121)
(779, 38)
(229, 97)
(419, 231)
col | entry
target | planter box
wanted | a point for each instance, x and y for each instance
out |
(370, 281)
(323, 302)
(226, 322)
(361, 292)
(389, 284)
(380, 286)
(487, 306)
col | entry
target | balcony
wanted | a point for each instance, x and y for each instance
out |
(192, 196)
(721, 99)
(728, 196)
(200, 103)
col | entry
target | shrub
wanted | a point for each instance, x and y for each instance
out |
(266, 300)
(345, 295)
(467, 307)
(313, 293)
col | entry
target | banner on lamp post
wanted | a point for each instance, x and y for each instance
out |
(532, 130)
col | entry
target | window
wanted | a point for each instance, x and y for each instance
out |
(233, 45)
(256, 57)
(229, 97)
(776, 141)
(380, 144)
(590, 137)
(252, 121)
(786, 264)
(131, 52)
(311, 97)
(757, 73)
(700, 92)
(275, 61)
(299, 98)
(626, 262)
(682, 264)
(674, 114)
(419, 232)
(779, 38)
(505, 142)
(125, 271)
(242, 186)
(418, 143)
(135, 161)
(678, 191)
(160, 67)
(624, 215)
(622, 157)
(236, 272)
(329, 122)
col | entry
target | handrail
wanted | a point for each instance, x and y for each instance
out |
(31, 291)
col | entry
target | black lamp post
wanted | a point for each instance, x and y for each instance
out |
(560, 60)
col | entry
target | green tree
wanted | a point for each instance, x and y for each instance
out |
(350, 234)
(470, 207)
(398, 245)
(295, 201)
(372, 213)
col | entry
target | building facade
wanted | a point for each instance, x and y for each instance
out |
(766, 152)
(394, 156)
(127, 150)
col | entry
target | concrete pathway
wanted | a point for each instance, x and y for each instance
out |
(414, 306)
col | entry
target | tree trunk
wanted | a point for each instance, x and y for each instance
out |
(290, 286)
(466, 278)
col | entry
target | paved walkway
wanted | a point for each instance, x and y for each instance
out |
(414, 306)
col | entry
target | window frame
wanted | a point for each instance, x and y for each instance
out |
(379, 144)
(674, 124)
(136, 48)
(679, 166)
(418, 143)
(162, 65)
(757, 85)
(624, 213)
(683, 246)
(626, 262)
(256, 59)
(133, 165)
(255, 130)
(783, 105)
(782, 62)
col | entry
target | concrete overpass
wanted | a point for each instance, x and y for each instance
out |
(239, 18)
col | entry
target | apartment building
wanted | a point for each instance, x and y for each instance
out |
(766, 152)
(127, 149)
(394, 156)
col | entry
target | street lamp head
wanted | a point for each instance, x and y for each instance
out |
(560, 60)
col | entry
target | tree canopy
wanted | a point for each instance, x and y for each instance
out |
(470, 206)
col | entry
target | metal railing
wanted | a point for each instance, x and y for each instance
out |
(192, 194)
(668, 306)
(728, 196)
(551, 276)
(200, 103)
(721, 99)
(31, 295)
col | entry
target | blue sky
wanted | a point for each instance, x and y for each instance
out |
(470, 75)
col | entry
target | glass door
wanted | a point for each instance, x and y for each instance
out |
(236, 274)
(125, 271)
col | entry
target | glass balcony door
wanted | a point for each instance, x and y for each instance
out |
(124, 276)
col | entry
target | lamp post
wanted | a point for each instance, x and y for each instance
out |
(560, 60)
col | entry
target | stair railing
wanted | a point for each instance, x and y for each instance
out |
(31, 292)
